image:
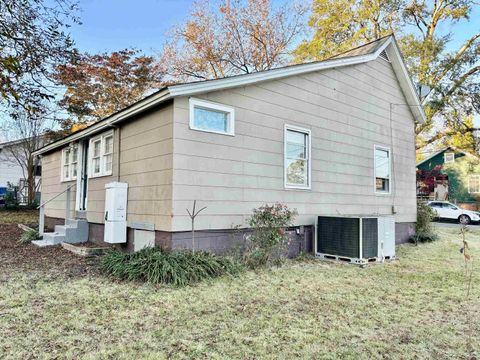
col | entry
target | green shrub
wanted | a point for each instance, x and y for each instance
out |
(424, 229)
(268, 239)
(28, 236)
(180, 268)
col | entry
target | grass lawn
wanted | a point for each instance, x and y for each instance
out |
(19, 217)
(412, 308)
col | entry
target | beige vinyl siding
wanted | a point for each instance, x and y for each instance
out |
(51, 186)
(145, 164)
(348, 112)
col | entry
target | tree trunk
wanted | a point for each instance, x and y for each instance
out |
(31, 182)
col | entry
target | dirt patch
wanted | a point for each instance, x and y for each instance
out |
(15, 257)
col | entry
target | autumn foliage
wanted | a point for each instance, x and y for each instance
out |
(234, 37)
(100, 85)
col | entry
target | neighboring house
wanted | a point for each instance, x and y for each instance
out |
(450, 174)
(11, 173)
(327, 138)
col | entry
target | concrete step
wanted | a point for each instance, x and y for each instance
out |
(77, 231)
(73, 232)
(41, 243)
(50, 239)
(74, 222)
(62, 229)
(69, 232)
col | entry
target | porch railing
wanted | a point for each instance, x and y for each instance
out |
(41, 223)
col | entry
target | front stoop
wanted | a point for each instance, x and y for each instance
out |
(73, 232)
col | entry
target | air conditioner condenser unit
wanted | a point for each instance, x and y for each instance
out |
(355, 239)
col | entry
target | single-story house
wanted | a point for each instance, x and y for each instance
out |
(326, 138)
(450, 174)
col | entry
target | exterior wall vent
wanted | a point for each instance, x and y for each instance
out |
(356, 240)
(384, 55)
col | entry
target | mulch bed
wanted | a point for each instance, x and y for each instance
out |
(92, 245)
(15, 257)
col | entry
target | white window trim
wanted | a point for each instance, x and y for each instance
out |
(102, 172)
(62, 173)
(469, 177)
(309, 157)
(445, 157)
(390, 182)
(193, 102)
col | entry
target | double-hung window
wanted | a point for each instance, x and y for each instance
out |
(297, 158)
(382, 170)
(101, 155)
(69, 163)
(212, 117)
(474, 184)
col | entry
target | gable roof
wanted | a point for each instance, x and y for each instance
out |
(362, 54)
(365, 49)
(442, 151)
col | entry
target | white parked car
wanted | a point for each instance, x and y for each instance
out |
(446, 210)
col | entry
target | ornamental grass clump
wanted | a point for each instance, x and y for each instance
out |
(179, 268)
(29, 236)
(269, 240)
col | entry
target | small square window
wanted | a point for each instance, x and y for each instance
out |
(211, 117)
(448, 157)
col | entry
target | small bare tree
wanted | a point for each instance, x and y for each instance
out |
(193, 214)
(25, 130)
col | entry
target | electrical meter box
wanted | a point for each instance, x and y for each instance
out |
(116, 194)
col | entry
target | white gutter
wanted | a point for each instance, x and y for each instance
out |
(241, 80)
(108, 122)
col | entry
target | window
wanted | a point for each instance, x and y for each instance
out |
(73, 164)
(382, 170)
(448, 157)
(449, 206)
(211, 117)
(69, 162)
(474, 184)
(297, 157)
(108, 154)
(101, 155)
